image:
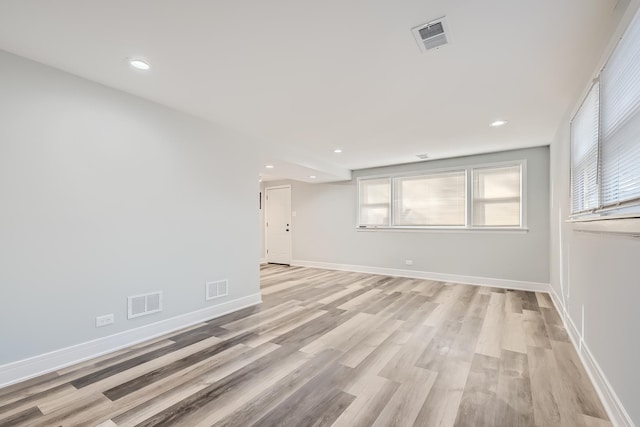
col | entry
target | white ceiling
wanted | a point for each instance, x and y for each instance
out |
(305, 77)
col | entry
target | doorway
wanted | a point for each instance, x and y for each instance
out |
(278, 224)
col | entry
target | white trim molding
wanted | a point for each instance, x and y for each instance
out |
(25, 369)
(441, 277)
(618, 415)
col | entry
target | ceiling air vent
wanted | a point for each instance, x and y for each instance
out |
(432, 35)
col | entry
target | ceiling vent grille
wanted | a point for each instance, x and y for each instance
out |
(432, 35)
(141, 305)
(217, 289)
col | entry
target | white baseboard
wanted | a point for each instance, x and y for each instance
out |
(38, 365)
(441, 277)
(616, 411)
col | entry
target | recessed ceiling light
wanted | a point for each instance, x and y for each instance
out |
(498, 123)
(312, 176)
(139, 64)
(337, 150)
(268, 166)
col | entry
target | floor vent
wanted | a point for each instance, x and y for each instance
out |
(141, 305)
(217, 289)
(432, 35)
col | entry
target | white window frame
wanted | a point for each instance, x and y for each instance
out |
(522, 163)
(523, 210)
(392, 217)
(389, 204)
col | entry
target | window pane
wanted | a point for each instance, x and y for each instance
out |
(374, 197)
(374, 215)
(431, 200)
(496, 196)
(497, 214)
(620, 119)
(374, 191)
(584, 154)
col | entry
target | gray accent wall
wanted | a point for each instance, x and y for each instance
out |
(105, 195)
(324, 228)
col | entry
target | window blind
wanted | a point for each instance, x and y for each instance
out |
(620, 121)
(584, 153)
(430, 200)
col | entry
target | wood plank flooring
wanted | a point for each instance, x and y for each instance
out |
(334, 348)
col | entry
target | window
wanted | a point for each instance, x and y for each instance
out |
(605, 136)
(375, 195)
(496, 197)
(473, 197)
(430, 200)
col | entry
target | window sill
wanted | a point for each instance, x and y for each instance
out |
(621, 225)
(508, 230)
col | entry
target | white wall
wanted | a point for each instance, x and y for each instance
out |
(105, 195)
(600, 274)
(324, 229)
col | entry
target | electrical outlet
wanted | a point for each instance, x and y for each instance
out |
(105, 320)
(408, 261)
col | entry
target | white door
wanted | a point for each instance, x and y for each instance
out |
(278, 224)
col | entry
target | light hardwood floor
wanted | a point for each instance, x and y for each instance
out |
(335, 348)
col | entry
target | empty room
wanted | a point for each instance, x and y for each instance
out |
(332, 213)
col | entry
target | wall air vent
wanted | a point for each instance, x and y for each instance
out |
(141, 305)
(432, 35)
(217, 289)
